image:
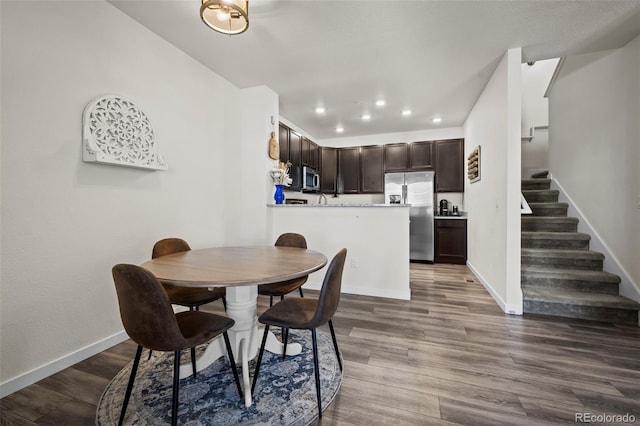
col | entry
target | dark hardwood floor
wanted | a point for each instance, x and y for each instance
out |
(448, 356)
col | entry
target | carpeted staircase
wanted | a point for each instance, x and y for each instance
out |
(560, 275)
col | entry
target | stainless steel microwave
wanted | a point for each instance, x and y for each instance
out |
(310, 180)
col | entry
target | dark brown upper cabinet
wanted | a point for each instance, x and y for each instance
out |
(328, 169)
(349, 170)
(314, 155)
(283, 141)
(372, 169)
(396, 157)
(449, 159)
(421, 155)
(304, 152)
(295, 157)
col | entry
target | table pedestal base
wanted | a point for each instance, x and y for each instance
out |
(245, 338)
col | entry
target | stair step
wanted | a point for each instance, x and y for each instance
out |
(541, 195)
(576, 304)
(569, 279)
(559, 240)
(549, 224)
(549, 209)
(535, 184)
(562, 258)
(542, 175)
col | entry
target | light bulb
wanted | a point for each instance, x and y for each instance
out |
(223, 15)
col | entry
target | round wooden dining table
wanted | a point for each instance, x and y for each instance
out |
(240, 270)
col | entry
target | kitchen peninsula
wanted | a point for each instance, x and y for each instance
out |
(375, 235)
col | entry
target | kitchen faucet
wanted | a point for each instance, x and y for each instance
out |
(322, 197)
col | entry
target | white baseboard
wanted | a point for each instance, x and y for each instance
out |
(30, 377)
(365, 291)
(506, 308)
(628, 287)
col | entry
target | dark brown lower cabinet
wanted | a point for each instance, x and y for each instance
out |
(450, 241)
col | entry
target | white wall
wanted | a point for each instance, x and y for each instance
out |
(535, 81)
(493, 201)
(65, 223)
(246, 163)
(369, 270)
(385, 138)
(594, 108)
(535, 112)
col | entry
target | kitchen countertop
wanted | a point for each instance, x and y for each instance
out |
(339, 205)
(461, 216)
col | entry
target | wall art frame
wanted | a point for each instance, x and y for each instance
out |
(473, 165)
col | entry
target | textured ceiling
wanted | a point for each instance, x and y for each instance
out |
(433, 57)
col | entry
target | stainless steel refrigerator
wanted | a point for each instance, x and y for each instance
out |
(416, 189)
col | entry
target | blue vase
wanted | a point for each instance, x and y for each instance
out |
(279, 195)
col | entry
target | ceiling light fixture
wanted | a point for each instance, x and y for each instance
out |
(366, 117)
(226, 16)
(406, 113)
(381, 102)
(339, 129)
(320, 110)
(436, 120)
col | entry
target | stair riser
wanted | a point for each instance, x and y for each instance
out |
(594, 313)
(549, 211)
(526, 186)
(555, 244)
(545, 226)
(561, 283)
(564, 263)
(541, 197)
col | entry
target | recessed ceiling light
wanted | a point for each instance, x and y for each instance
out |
(339, 129)
(320, 110)
(437, 120)
(366, 117)
(406, 112)
(381, 102)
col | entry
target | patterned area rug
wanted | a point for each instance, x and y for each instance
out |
(285, 392)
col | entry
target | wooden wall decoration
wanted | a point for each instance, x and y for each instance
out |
(116, 131)
(473, 165)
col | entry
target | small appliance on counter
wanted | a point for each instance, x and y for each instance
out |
(454, 211)
(444, 208)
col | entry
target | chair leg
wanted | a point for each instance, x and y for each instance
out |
(270, 301)
(335, 343)
(255, 373)
(233, 363)
(300, 288)
(132, 378)
(317, 370)
(224, 303)
(285, 338)
(281, 297)
(149, 357)
(176, 388)
(193, 361)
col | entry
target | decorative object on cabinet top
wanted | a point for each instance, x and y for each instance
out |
(473, 165)
(116, 131)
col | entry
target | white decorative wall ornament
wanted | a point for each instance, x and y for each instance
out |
(116, 131)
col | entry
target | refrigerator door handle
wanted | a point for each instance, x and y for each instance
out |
(404, 194)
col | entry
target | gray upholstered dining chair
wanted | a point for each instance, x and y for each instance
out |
(149, 321)
(307, 314)
(192, 298)
(289, 239)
